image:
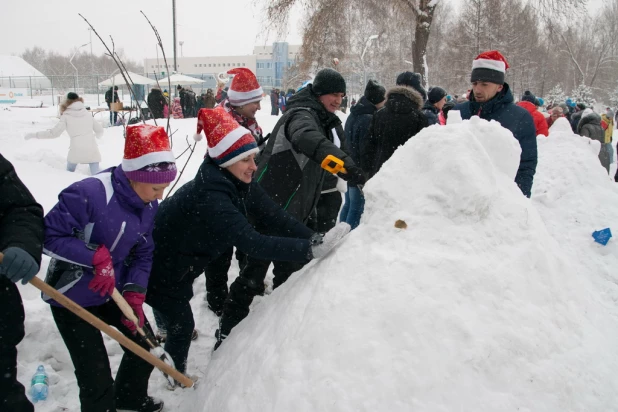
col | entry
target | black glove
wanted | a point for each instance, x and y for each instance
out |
(18, 265)
(354, 175)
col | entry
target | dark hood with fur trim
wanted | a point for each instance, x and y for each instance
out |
(399, 120)
(402, 99)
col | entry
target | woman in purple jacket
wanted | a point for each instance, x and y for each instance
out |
(99, 236)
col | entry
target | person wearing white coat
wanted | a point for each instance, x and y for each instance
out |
(82, 128)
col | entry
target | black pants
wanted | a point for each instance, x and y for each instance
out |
(248, 284)
(326, 213)
(97, 391)
(12, 394)
(216, 278)
(177, 318)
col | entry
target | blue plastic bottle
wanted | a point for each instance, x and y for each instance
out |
(39, 385)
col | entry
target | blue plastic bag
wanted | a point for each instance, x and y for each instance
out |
(602, 236)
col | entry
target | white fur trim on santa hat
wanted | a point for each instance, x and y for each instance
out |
(239, 157)
(497, 65)
(130, 165)
(238, 98)
(197, 137)
(227, 141)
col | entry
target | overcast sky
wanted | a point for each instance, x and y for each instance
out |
(232, 27)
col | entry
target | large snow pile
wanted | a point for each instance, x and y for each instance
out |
(475, 306)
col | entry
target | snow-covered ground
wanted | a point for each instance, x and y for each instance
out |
(488, 301)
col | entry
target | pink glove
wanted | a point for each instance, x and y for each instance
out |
(103, 281)
(135, 300)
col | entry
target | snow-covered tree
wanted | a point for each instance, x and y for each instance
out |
(583, 94)
(613, 97)
(555, 95)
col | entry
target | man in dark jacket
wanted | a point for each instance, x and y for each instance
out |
(577, 115)
(491, 99)
(399, 120)
(436, 98)
(21, 243)
(356, 128)
(290, 172)
(111, 96)
(156, 102)
(274, 102)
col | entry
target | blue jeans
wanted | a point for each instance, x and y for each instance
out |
(353, 208)
(94, 167)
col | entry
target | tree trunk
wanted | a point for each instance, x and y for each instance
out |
(421, 36)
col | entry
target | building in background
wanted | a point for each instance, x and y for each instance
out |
(269, 63)
(273, 61)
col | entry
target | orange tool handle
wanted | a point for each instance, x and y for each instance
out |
(333, 165)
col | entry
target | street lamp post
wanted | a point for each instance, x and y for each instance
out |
(71, 63)
(367, 43)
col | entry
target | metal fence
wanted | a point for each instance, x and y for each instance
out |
(48, 88)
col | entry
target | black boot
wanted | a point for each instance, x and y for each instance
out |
(149, 404)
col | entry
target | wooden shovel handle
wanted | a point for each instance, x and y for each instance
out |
(108, 330)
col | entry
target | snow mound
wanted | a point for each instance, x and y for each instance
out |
(472, 307)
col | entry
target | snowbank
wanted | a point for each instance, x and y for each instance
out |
(474, 306)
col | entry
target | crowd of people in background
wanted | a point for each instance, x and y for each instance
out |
(273, 199)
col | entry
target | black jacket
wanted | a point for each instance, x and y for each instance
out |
(108, 96)
(21, 217)
(518, 120)
(357, 126)
(156, 101)
(206, 217)
(575, 118)
(431, 113)
(399, 120)
(290, 168)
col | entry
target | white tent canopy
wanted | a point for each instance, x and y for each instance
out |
(181, 79)
(118, 80)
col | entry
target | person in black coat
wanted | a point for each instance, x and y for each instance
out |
(436, 98)
(590, 126)
(198, 227)
(156, 102)
(290, 172)
(356, 128)
(577, 115)
(399, 120)
(21, 243)
(111, 96)
(491, 99)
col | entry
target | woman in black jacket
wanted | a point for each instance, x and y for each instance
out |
(199, 225)
(392, 126)
(590, 126)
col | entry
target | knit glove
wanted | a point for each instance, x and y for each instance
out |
(18, 264)
(135, 300)
(330, 239)
(354, 175)
(29, 136)
(103, 281)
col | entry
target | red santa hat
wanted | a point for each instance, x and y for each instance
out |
(228, 142)
(244, 88)
(489, 66)
(148, 157)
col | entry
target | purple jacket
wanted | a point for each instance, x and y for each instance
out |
(100, 210)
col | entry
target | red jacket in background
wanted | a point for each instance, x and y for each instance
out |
(540, 124)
